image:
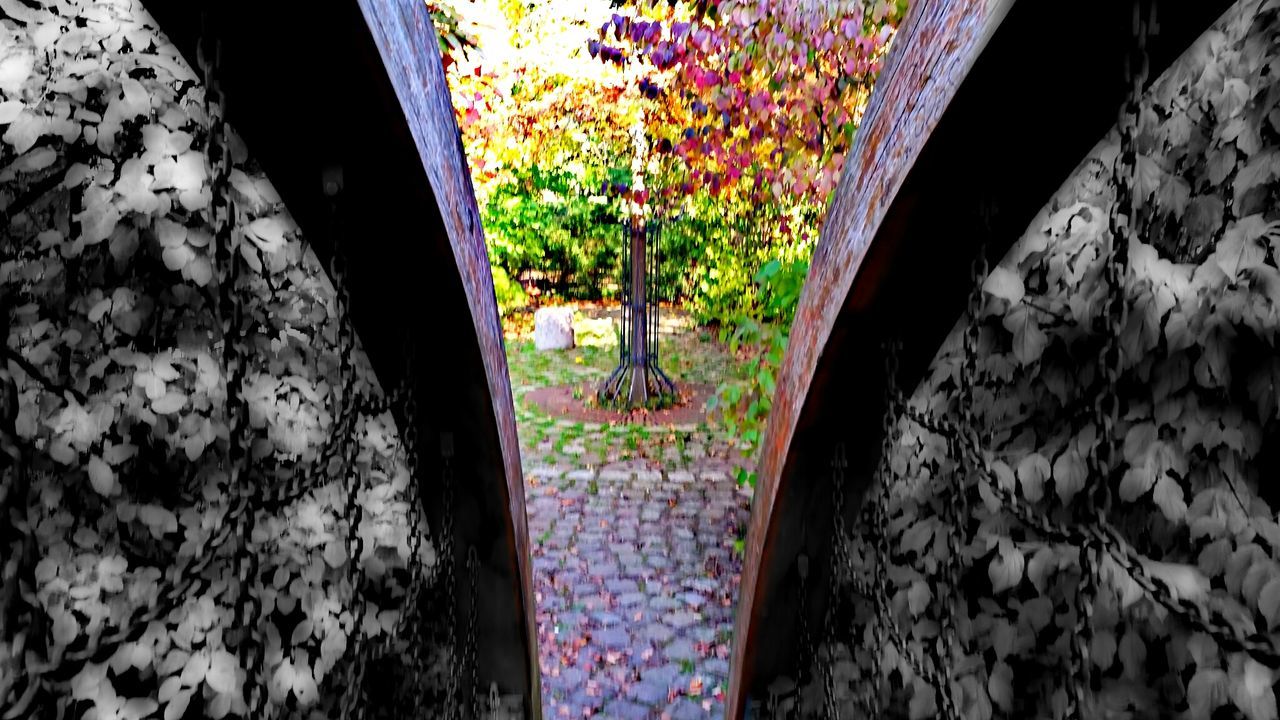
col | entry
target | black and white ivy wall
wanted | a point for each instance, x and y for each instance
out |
(119, 595)
(1196, 492)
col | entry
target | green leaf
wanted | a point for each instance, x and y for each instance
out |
(1000, 686)
(1069, 473)
(177, 707)
(221, 676)
(1168, 495)
(101, 476)
(1137, 481)
(1269, 603)
(1029, 341)
(1033, 470)
(1133, 654)
(918, 597)
(1207, 692)
(917, 537)
(1006, 569)
(1004, 284)
(923, 703)
(1102, 650)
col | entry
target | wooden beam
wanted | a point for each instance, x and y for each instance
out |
(359, 84)
(979, 101)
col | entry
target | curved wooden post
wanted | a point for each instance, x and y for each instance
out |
(358, 84)
(969, 109)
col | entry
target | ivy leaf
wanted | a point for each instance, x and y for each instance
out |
(1069, 473)
(177, 707)
(267, 233)
(1007, 567)
(193, 673)
(10, 110)
(1133, 654)
(1039, 567)
(304, 687)
(1240, 250)
(222, 672)
(1207, 691)
(1033, 470)
(1103, 648)
(1264, 388)
(1168, 496)
(65, 628)
(1136, 482)
(1004, 638)
(1269, 603)
(1029, 341)
(917, 537)
(918, 597)
(1174, 194)
(923, 703)
(138, 708)
(1000, 686)
(170, 403)
(1251, 688)
(101, 476)
(1005, 284)
(1184, 581)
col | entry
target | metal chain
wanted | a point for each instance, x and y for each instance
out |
(1199, 616)
(408, 622)
(1104, 453)
(835, 576)
(938, 675)
(231, 314)
(344, 394)
(469, 651)
(804, 658)
(343, 439)
(955, 497)
(448, 587)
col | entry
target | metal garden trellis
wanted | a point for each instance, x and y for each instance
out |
(639, 381)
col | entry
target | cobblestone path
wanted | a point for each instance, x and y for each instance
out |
(632, 532)
(636, 583)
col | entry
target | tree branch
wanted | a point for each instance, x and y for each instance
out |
(34, 193)
(35, 373)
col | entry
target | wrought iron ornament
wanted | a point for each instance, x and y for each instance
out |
(638, 380)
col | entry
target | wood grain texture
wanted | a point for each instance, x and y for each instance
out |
(932, 52)
(980, 101)
(410, 51)
(358, 84)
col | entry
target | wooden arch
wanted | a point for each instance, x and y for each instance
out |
(359, 84)
(980, 100)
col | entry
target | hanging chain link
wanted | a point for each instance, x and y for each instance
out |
(453, 702)
(1106, 409)
(836, 576)
(804, 659)
(352, 703)
(231, 314)
(937, 673)
(408, 622)
(469, 651)
(874, 515)
(1198, 615)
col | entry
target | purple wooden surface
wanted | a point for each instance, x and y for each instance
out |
(969, 109)
(931, 54)
(410, 52)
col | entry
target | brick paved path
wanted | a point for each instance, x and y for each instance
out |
(636, 583)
